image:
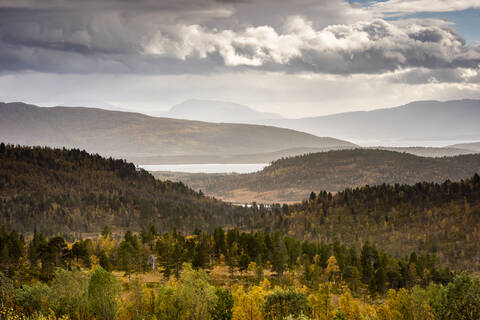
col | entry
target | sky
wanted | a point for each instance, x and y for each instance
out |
(296, 58)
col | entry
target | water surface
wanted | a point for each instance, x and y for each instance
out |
(207, 167)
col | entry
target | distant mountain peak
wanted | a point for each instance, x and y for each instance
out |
(218, 111)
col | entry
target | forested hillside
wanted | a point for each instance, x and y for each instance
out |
(438, 218)
(60, 191)
(292, 179)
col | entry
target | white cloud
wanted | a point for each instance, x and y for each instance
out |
(414, 6)
(362, 47)
(176, 37)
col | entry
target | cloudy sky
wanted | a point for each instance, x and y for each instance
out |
(297, 58)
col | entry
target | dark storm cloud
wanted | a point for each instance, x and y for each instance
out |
(206, 36)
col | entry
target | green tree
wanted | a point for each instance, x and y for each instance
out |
(201, 257)
(69, 294)
(80, 250)
(222, 310)
(128, 256)
(196, 295)
(104, 261)
(380, 280)
(243, 262)
(34, 298)
(168, 303)
(103, 293)
(460, 299)
(219, 239)
(278, 255)
(280, 304)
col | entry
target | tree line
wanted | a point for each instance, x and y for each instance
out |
(365, 270)
(270, 276)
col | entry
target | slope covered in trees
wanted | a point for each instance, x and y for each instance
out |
(293, 178)
(60, 191)
(438, 218)
(69, 191)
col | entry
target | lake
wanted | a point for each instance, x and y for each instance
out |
(207, 167)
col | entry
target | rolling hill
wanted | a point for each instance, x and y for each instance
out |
(59, 191)
(268, 157)
(292, 179)
(414, 123)
(135, 136)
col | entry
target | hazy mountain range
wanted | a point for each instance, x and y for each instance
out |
(417, 121)
(474, 146)
(415, 124)
(154, 140)
(136, 136)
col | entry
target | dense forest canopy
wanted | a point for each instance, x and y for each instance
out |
(223, 275)
(438, 218)
(365, 268)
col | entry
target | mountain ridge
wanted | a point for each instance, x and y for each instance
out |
(416, 121)
(473, 146)
(129, 135)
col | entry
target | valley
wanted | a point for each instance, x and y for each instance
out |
(291, 179)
